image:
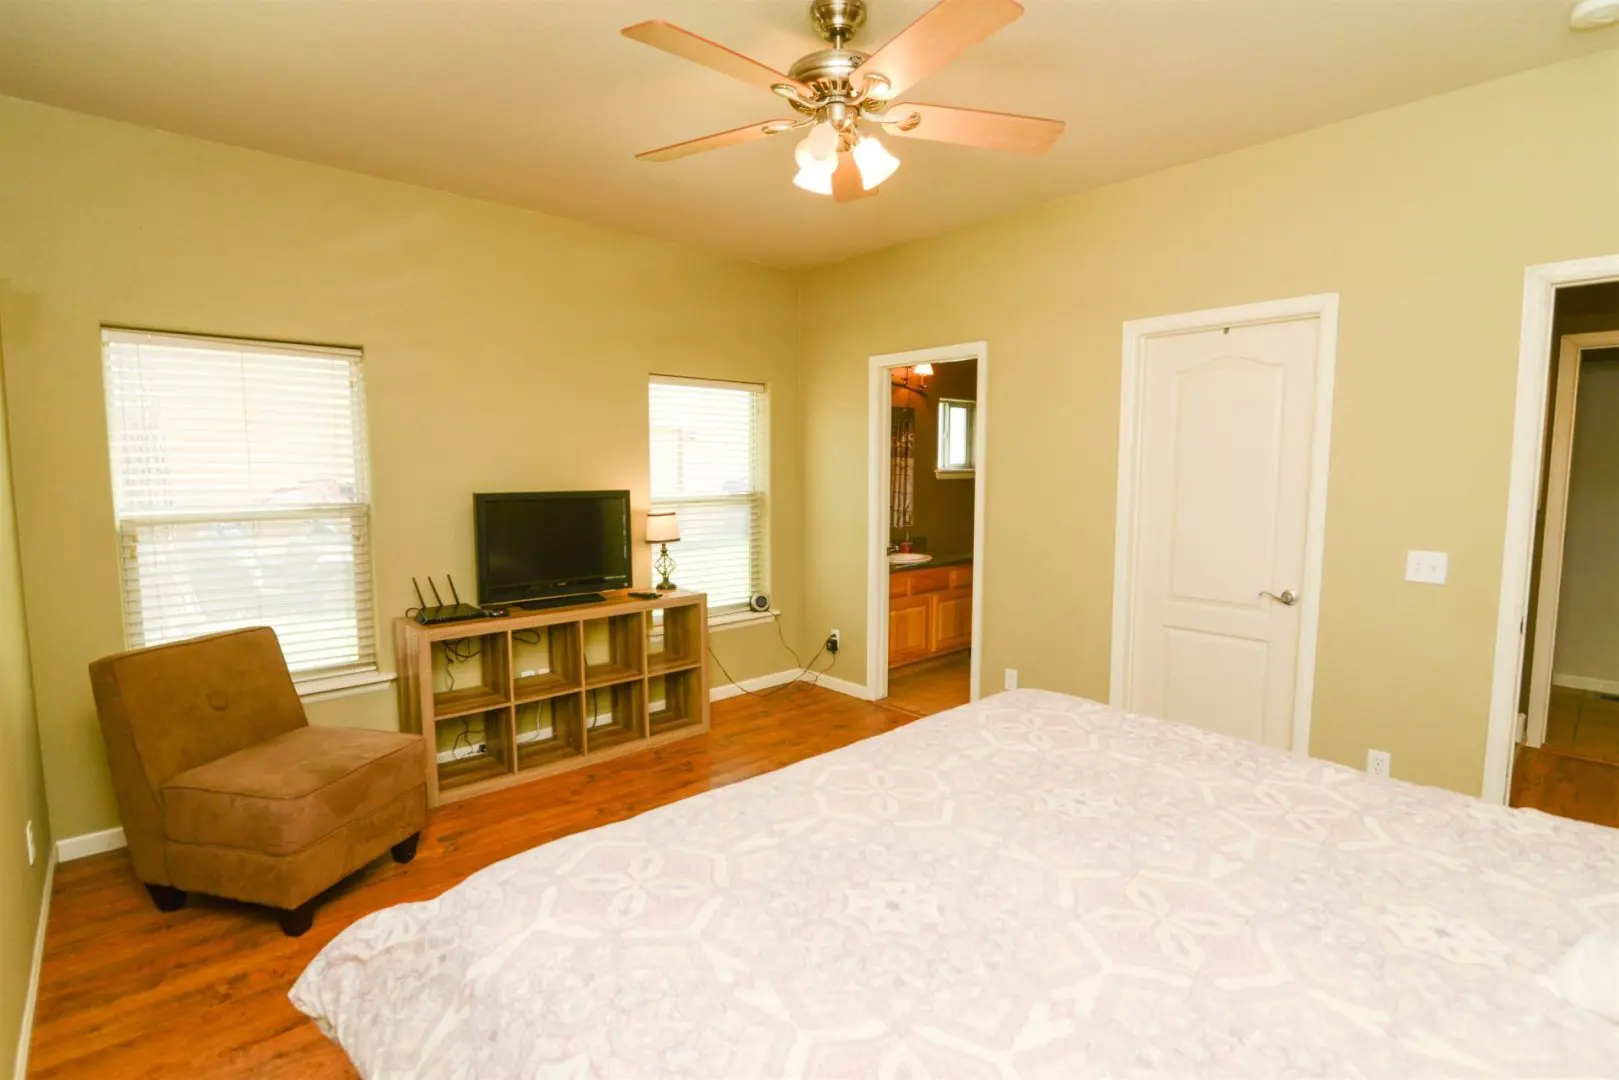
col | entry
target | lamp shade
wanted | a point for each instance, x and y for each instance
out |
(662, 527)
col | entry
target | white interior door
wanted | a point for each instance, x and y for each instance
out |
(1222, 501)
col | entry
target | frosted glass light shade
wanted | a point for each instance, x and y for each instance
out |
(876, 164)
(662, 527)
(816, 178)
(819, 147)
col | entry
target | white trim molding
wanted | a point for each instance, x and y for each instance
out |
(1540, 285)
(877, 513)
(722, 691)
(759, 683)
(1581, 682)
(25, 1031)
(840, 686)
(83, 846)
(341, 686)
(1324, 309)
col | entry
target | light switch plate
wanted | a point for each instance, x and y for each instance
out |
(1427, 567)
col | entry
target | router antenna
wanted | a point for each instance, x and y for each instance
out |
(420, 602)
(453, 594)
(438, 601)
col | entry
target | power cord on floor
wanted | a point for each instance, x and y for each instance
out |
(803, 668)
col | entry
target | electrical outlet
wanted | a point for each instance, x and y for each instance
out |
(1011, 678)
(33, 853)
(834, 641)
(1377, 763)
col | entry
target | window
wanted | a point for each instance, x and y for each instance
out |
(708, 464)
(955, 436)
(241, 494)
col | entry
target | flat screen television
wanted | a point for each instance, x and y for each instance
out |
(538, 544)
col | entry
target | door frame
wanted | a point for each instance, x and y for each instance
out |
(1138, 333)
(1540, 285)
(878, 449)
(1559, 467)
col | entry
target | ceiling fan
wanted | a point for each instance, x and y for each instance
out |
(839, 90)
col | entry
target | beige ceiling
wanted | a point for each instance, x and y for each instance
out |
(542, 104)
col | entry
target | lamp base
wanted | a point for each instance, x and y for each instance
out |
(665, 566)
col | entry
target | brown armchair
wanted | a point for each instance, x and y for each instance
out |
(225, 788)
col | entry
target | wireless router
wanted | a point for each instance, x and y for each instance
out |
(440, 612)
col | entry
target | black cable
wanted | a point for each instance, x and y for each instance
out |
(803, 668)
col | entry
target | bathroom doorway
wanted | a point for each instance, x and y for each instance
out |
(926, 542)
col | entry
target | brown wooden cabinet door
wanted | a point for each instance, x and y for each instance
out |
(953, 621)
(910, 629)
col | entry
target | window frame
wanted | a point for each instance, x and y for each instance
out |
(757, 498)
(312, 683)
(946, 470)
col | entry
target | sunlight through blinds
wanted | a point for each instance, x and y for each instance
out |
(241, 494)
(708, 464)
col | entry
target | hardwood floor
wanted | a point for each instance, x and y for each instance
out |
(932, 685)
(128, 992)
(1585, 789)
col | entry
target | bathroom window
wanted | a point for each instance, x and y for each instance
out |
(956, 437)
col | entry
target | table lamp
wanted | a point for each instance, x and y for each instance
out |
(663, 529)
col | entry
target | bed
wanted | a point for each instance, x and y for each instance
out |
(1031, 886)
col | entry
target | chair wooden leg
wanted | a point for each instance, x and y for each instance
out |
(297, 921)
(405, 850)
(167, 897)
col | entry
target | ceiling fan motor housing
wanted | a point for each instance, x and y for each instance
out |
(837, 21)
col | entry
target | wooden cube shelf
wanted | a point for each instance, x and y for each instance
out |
(546, 662)
(524, 687)
(479, 746)
(676, 641)
(470, 674)
(615, 715)
(550, 731)
(615, 649)
(676, 700)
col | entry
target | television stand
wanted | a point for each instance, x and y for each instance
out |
(547, 602)
(510, 699)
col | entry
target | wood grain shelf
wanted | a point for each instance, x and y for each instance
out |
(607, 675)
(469, 770)
(540, 687)
(534, 676)
(452, 704)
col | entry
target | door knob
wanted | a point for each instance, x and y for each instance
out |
(1288, 597)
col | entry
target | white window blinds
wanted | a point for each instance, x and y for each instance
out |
(240, 488)
(708, 464)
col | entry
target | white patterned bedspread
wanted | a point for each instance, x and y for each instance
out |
(1032, 886)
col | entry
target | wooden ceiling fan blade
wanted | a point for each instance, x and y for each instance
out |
(976, 127)
(712, 55)
(846, 183)
(943, 33)
(718, 141)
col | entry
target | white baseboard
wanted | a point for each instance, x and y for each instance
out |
(77, 847)
(1580, 682)
(841, 686)
(779, 678)
(760, 682)
(25, 1032)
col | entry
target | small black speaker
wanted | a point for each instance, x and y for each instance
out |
(759, 602)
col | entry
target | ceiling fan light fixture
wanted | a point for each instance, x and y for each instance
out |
(1593, 14)
(876, 164)
(815, 178)
(818, 149)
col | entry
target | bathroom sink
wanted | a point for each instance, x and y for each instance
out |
(908, 558)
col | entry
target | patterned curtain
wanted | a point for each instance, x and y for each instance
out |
(902, 465)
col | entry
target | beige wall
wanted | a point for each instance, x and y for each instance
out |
(530, 336)
(941, 510)
(22, 782)
(1588, 601)
(1423, 218)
